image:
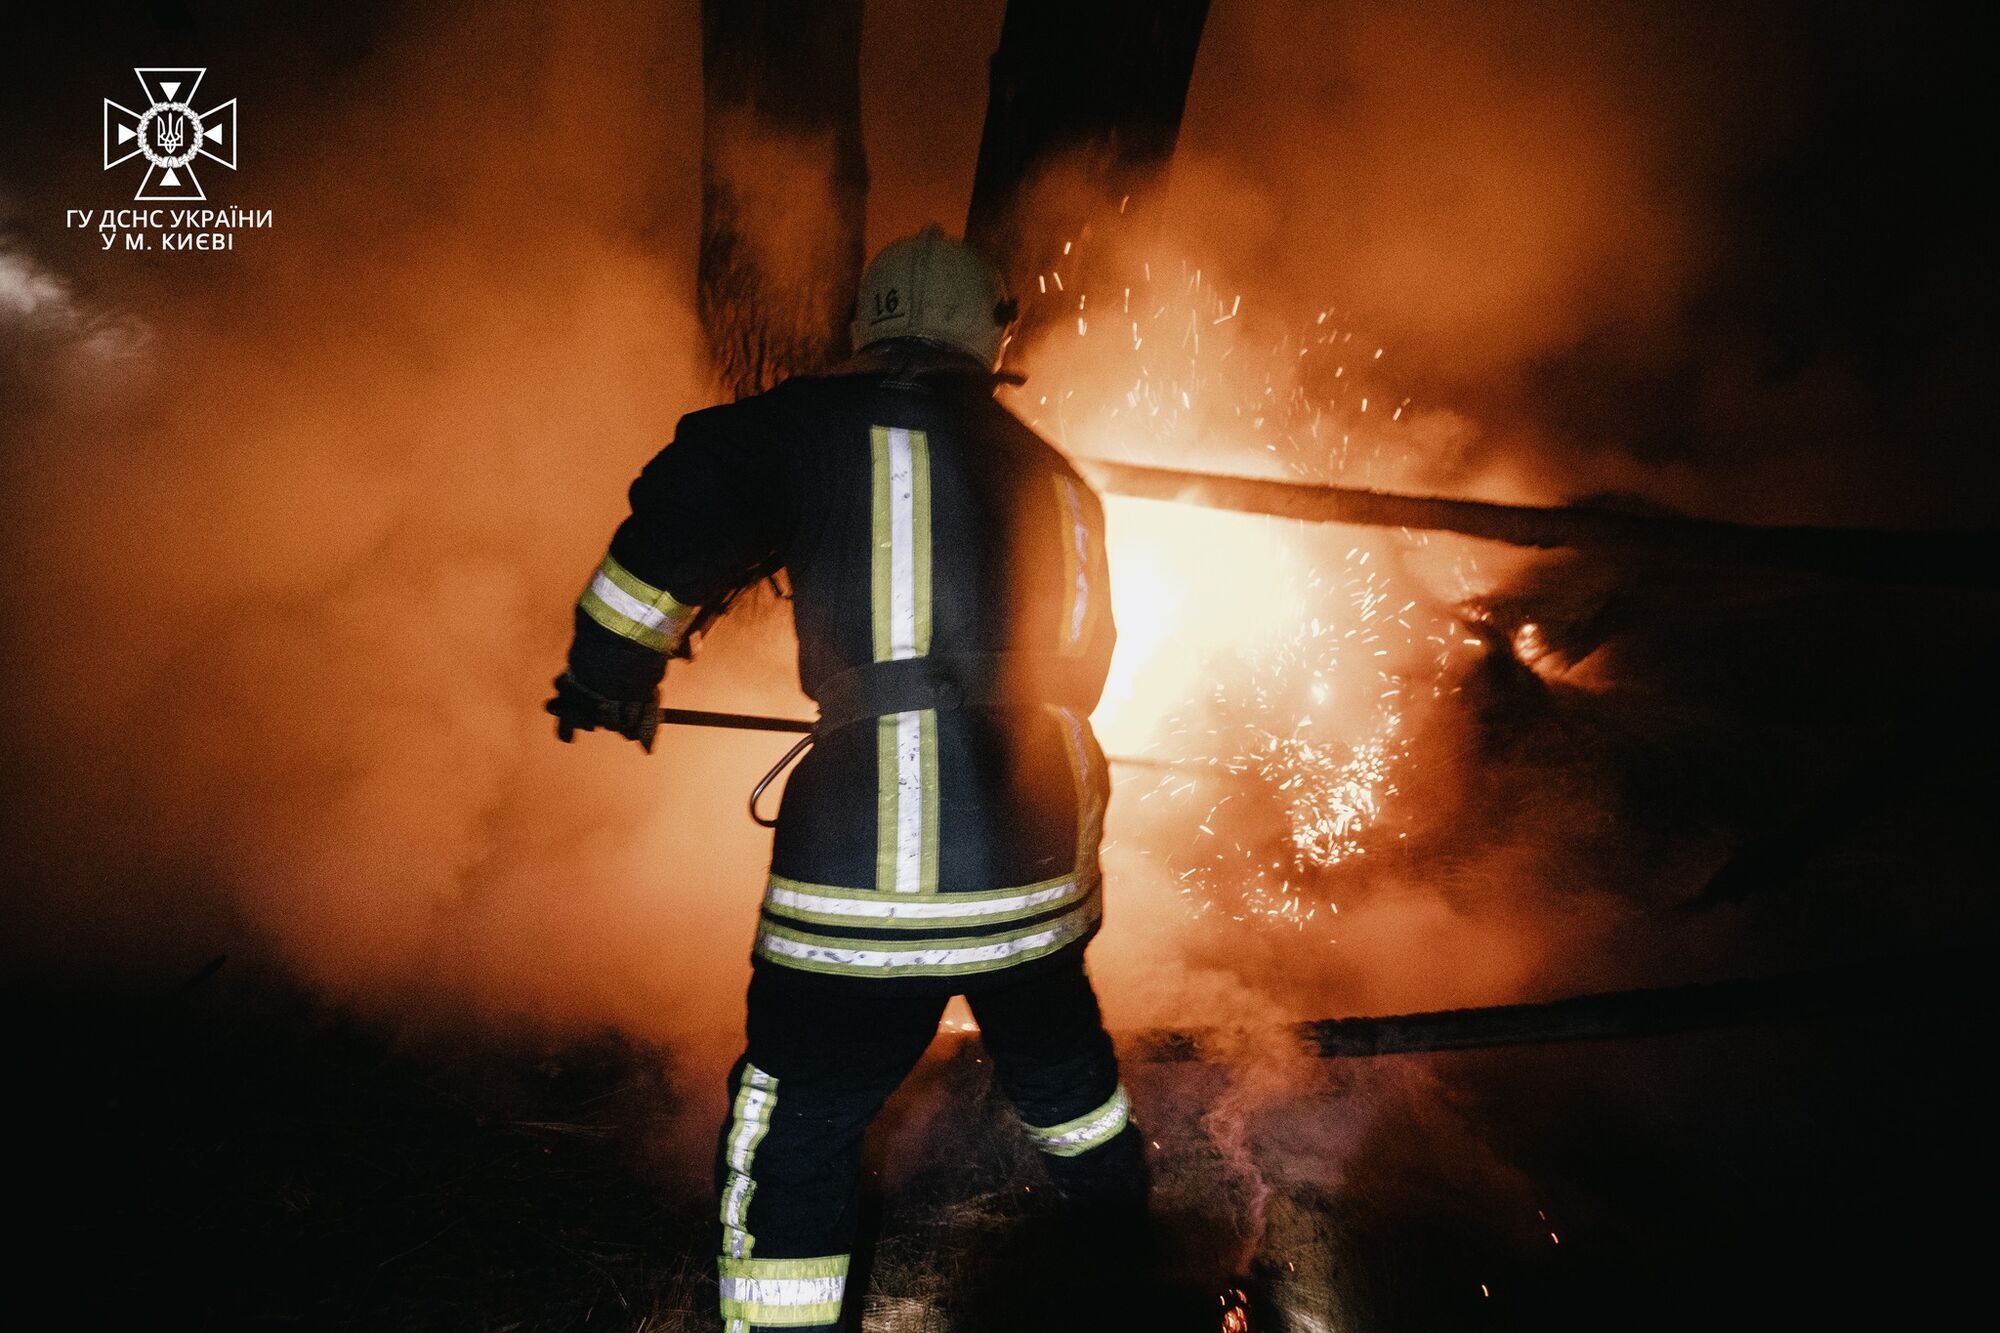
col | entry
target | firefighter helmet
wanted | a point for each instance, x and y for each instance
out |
(935, 287)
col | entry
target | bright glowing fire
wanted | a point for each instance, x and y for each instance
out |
(1265, 668)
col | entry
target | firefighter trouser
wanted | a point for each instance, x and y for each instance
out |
(820, 1063)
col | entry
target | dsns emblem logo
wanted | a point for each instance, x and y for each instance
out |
(170, 134)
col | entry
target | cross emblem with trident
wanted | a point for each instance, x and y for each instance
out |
(170, 134)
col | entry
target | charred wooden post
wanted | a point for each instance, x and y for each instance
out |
(784, 183)
(1083, 110)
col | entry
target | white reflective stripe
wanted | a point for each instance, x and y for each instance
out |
(758, 1092)
(625, 604)
(1072, 737)
(756, 1095)
(736, 1200)
(1075, 1139)
(927, 907)
(909, 802)
(900, 598)
(1080, 546)
(902, 547)
(1083, 766)
(783, 1291)
(736, 1238)
(844, 957)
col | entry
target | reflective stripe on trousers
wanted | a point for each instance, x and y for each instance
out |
(1092, 1129)
(749, 1122)
(823, 1057)
(781, 1293)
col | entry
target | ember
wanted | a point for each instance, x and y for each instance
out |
(1235, 1311)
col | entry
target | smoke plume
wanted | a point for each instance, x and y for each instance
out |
(294, 530)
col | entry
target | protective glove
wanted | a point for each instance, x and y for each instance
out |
(577, 707)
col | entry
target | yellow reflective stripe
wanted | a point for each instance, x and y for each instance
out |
(1079, 608)
(920, 545)
(1083, 913)
(604, 613)
(1083, 773)
(888, 801)
(883, 539)
(823, 905)
(1092, 1129)
(873, 895)
(627, 605)
(782, 1293)
(927, 771)
(900, 566)
(636, 587)
(749, 1122)
(906, 802)
(825, 1265)
(837, 956)
(906, 779)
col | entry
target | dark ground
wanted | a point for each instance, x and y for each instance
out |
(231, 1156)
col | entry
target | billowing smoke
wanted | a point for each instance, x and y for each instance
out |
(293, 531)
(1707, 254)
(292, 565)
(1532, 253)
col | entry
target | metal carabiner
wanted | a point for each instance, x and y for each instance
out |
(757, 794)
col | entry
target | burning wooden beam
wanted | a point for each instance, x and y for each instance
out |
(1948, 558)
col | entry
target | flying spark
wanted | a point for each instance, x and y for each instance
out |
(1252, 653)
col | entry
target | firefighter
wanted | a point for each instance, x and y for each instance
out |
(951, 597)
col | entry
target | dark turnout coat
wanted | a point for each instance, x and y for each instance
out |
(951, 598)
